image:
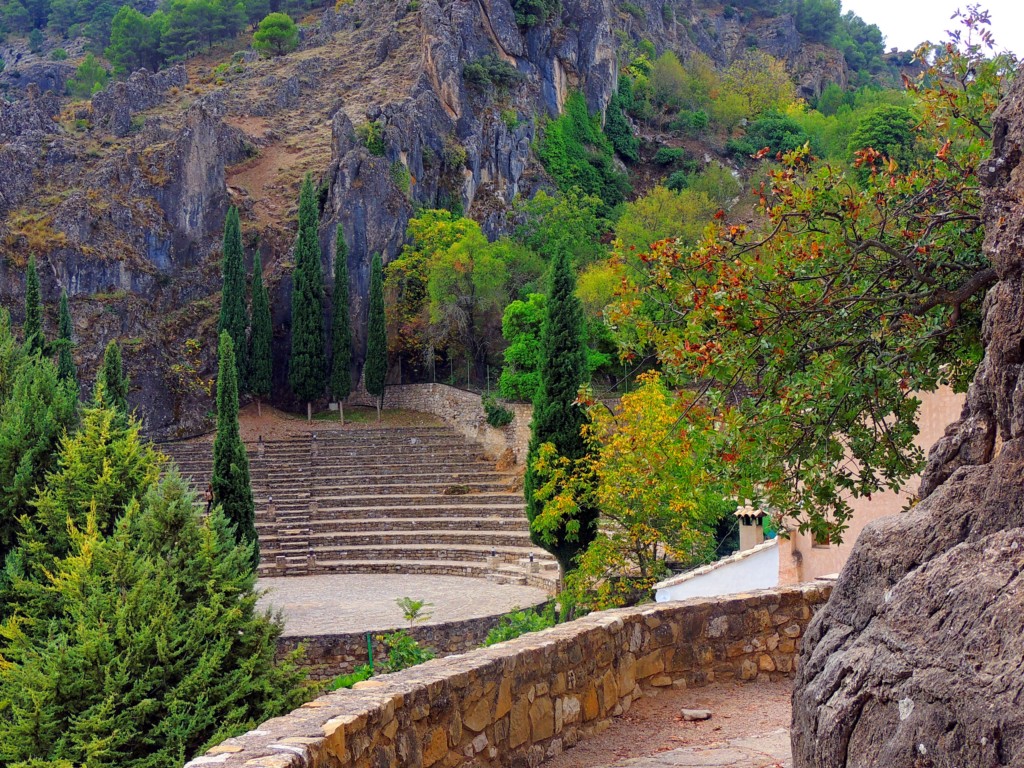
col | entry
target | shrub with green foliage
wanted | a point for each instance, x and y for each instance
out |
(490, 70)
(90, 77)
(890, 130)
(497, 415)
(372, 136)
(135, 40)
(517, 623)
(669, 155)
(276, 35)
(619, 131)
(579, 156)
(360, 673)
(521, 326)
(691, 122)
(403, 652)
(530, 13)
(779, 133)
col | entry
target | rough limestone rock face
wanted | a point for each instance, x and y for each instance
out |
(917, 661)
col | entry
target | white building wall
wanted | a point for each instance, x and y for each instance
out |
(757, 570)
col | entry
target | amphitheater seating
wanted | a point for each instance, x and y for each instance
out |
(417, 500)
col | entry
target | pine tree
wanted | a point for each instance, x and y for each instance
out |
(35, 341)
(307, 364)
(150, 643)
(65, 360)
(376, 368)
(340, 383)
(557, 416)
(232, 299)
(230, 481)
(111, 381)
(261, 361)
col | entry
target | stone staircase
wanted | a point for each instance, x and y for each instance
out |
(410, 500)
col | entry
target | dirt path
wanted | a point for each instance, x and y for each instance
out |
(748, 729)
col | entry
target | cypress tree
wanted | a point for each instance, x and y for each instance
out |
(34, 338)
(261, 364)
(111, 382)
(232, 298)
(65, 335)
(340, 382)
(376, 368)
(557, 417)
(307, 363)
(230, 481)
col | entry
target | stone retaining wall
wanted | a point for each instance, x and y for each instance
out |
(462, 410)
(327, 656)
(518, 702)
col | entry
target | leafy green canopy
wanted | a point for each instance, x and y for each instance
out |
(276, 35)
(307, 363)
(233, 316)
(111, 381)
(375, 369)
(558, 418)
(230, 477)
(851, 298)
(522, 325)
(340, 383)
(579, 156)
(261, 358)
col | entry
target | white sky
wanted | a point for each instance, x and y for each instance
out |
(905, 23)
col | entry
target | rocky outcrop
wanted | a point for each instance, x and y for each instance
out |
(918, 658)
(113, 108)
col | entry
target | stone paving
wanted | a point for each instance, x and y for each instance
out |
(769, 750)
(342, 603)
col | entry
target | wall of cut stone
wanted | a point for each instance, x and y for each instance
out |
(327, 656)
(523, 700)
(462, 410)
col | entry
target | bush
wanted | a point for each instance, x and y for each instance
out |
(780, 134)
(678, 181)
(372, 136)
(497, 414)
(403, 652)
(59, 54)
(362, 672)
(620, 132)
(89, 78)
(634, 10)
(512, 625)
(491, 70)
(401, 177)
(669, 155)
(692, 123)
(530, 13)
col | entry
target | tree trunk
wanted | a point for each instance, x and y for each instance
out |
(380, 402)
(341, 412)
(309, 412)
(259, 407)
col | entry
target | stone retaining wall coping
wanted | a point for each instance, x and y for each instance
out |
(521, 701)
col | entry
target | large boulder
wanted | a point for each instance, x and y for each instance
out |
(918, 658)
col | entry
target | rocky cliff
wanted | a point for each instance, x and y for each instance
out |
(918, 658)
(123, 200)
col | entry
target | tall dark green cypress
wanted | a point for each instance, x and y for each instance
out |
(307, 364)
(557, 417)
(113, 379)
(233, 317)
(35, 341)
(261, 362)
(230, 480)
(65, 339)
(340, 382)
(375, 369)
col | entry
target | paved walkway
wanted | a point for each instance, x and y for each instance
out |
(332, 604)
(769, 750)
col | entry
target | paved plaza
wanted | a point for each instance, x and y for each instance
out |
(340, 603)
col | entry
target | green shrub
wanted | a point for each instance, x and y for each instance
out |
(497, 414)
(372, 136)
(633, 10)
(620, 132)
(512, 625)
(90, 77)
(403, 652)
(669, 155)
(491, 70)
(578, 155)
(510, 118)
(362, 672)
(780, 134)
(59, 54)
(276, 35)
(401, 177)
(691, 122)
(530, 13)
